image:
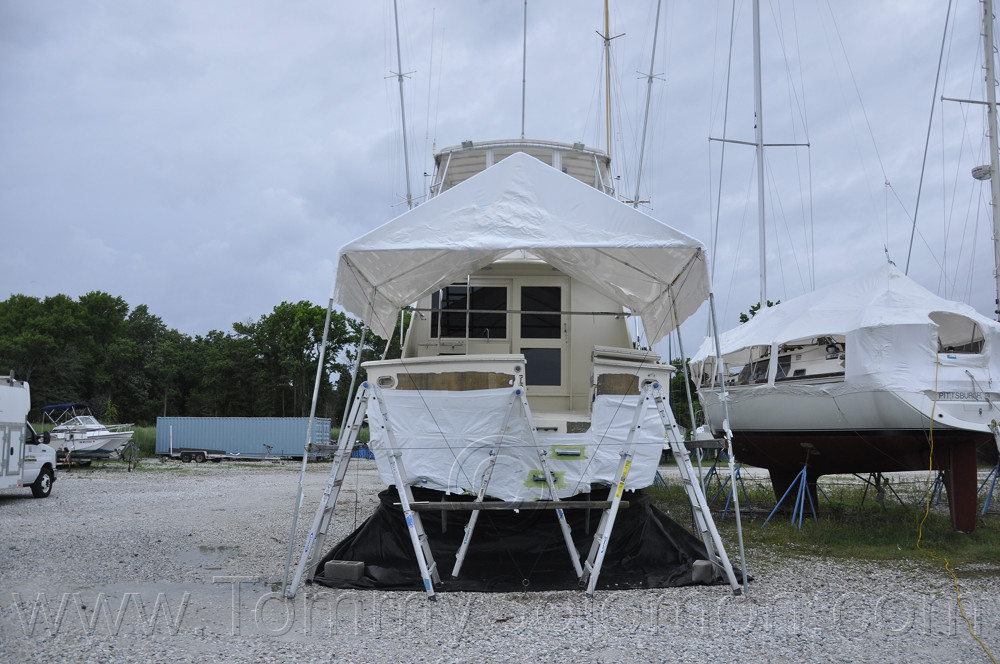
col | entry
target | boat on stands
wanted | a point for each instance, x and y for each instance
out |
(519, 389)
(870, 375)
(519, 386)
(75, 431)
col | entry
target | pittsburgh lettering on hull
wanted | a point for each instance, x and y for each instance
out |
(960, 396)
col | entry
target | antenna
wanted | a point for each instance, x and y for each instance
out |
(524, 67)
(402, 109)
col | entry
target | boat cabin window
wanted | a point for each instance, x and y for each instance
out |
(482, 308)
(537, 299)
(754, 371)
(541, 330)
(542, 366)
(957, 333)
(784, 366)
(812, 358)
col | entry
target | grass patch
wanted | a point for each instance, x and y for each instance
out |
(363, 434)
(145, 438)
(851, 524)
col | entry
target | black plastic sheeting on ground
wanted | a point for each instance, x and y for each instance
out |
(648, 549)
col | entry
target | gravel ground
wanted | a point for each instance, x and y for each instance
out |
(184, 563)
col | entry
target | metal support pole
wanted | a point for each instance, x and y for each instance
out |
(724, 398)
(305, 449)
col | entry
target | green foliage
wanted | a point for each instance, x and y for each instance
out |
(679, 396)
(131, 368)
(145, 438)
(754, 309)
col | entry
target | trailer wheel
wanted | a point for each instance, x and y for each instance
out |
(185, 457)
(42, 486)
(200, 457)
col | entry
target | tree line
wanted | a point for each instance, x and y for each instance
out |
(129, 366)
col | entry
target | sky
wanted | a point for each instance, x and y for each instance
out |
(208, 159)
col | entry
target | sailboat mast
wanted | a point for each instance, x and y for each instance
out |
(607, 78)
(759, 140)
(991, 113)
(645, 119)
(402, 109)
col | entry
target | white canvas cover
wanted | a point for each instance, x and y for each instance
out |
(892, 327)
(448, 448)
(523, 204)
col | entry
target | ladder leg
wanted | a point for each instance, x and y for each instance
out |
(574, 556)
(703, 521)
(599, 547)
(309, 561)
(416, 530)
(415, 527)
(474, 517)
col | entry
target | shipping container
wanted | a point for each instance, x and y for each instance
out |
(248, 437)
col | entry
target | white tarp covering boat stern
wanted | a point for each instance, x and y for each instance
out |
(523, 204)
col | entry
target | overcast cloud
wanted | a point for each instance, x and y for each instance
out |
(208, 158)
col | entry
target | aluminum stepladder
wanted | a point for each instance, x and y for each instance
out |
(703, 518)
(519, 396)
(309, 561)
(415, 527)
(699, 505)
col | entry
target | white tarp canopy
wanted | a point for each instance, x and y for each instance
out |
(523, 204)
(894, 328)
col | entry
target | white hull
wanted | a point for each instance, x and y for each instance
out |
(92, 443)
(832, 408)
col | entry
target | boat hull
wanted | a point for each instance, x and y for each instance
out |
(832, 430)
(98, 445)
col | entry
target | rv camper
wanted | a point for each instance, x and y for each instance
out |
(25, 461)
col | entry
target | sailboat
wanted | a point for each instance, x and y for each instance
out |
(874, 374)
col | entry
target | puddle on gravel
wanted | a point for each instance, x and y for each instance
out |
(208, 558)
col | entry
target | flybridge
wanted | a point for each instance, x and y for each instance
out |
(456, 164)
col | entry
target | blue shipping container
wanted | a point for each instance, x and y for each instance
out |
(245, 436)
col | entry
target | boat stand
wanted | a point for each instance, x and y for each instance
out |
(880, 484)
(802, 495)
(995, 428)
(989, 494)
(937, 488)
(713, 474)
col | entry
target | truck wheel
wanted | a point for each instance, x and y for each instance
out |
(185, 457)
(200, 457)
(42, 486)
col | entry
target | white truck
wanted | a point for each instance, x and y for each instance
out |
(25, 460)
